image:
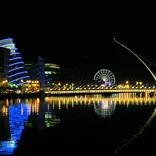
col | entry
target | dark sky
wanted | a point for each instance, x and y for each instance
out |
(73, 35)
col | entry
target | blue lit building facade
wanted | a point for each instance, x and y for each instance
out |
(15, 71)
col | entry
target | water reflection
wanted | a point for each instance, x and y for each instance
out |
(42, 115)
(51, 119)
(20, 113)
(17, 115)
(105, 108)
(136, 135)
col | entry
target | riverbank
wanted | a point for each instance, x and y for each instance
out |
(22, 95)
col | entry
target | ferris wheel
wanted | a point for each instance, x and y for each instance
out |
(105, 76)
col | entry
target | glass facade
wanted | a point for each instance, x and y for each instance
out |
(46, 72)
(50, 70)
(17, 75)
(16, 72)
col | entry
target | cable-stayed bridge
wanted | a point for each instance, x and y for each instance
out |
(104, 81)
(87, 85)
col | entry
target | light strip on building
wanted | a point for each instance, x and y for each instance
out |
(14, 53)
(15, 69)
(18, 73)
(6, 39)
(8, 46)
(19, 79)
(14, 48)
(15, 63)
(15, 58)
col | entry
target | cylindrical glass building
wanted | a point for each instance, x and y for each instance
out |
(17, 74)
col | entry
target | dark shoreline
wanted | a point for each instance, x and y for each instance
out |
(26, 95)
(42, 95)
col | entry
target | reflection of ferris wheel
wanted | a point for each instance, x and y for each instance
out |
(104, 108)
(106, 76)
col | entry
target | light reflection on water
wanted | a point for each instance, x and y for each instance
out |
(19, 112)
(136, 135)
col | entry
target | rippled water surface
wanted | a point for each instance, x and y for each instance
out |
(87, 124)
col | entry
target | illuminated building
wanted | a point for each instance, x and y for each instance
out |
(13, 64)
(32, 85)
(50, 71)
(45, 72)
(17, 75)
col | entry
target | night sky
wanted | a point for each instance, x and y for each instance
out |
(72, 35)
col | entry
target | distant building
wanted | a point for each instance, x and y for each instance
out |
(13, 65)
(32, 69)
(52, 73)
(45, 72)
(40, 72)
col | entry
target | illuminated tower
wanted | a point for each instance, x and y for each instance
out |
(16, 73)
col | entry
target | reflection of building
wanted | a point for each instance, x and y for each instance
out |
(43, 116)
(43, 71)
(51, 119)
(104, 108)
(13, 64)
(4, 122)
(17, 116)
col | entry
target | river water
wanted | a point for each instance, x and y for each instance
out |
(79, 124)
